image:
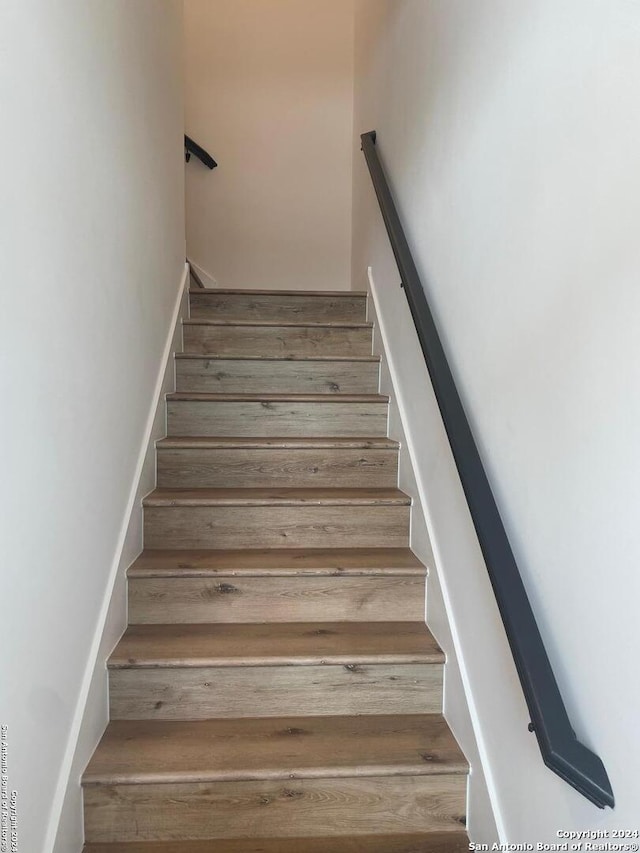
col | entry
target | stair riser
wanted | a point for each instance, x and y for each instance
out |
(275, 599)
(432, 842)
(278, 307)
(237, 376)
(275, 419)
(274, 808)
(276, 527)
(282, 341)
(195, 693)
(294, 468)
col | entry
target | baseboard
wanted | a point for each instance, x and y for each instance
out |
(409, 425)
(65, 830)
(206, 278)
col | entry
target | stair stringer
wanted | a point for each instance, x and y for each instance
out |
(482, 820)
(65, 831)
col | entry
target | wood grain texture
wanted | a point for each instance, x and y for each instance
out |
(278, 340)
(296, 418)
(202, 671)
(200, 693)
(424, 842)
(276, 689)
(294, 323)
(276, 526)
(201, 464)
(274, 306)
(276, 376)
(145, 752)
(276, 644)
(267, 497)
(277, 443)
(294, 808)
(275, 291)
(277, 562)
(295, 359)
(264, 397)
(310, 598)
(279, 292)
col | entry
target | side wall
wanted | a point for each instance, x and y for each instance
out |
(412, 413)
(269, 92)
(92, 253)
(510, 132)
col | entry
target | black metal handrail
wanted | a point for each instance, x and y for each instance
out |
(561, 751)
(191, 147)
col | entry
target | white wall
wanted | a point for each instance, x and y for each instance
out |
(511, 132)
(413, 414)
(92, 253)
(269, 93)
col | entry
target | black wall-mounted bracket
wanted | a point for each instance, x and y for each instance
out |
(191, 147)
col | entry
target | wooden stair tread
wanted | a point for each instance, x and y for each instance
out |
(278, 324)
(288, 358)
(276, 398)
(276, 497)
(178, 442)
(276, 562)
(246, 291)
(233, 687)
(426, 842)
(145, 752)
(276, 644)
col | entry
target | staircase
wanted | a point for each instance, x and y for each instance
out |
(276, 690)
